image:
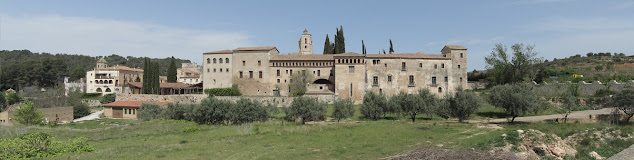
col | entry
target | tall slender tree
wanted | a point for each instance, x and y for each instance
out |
(362, 47)
(328, 46)
(391, 47)
(146, 74)
(155, 78)
(340, 44)
(171, 71)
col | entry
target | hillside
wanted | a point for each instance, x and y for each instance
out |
(602, 67)
(22, 68)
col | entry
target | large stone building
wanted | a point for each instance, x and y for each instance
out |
(189, 73)
(106, 80)
(264, 71)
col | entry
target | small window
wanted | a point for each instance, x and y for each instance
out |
(250, 74)
(318, 72)
(287, 71)
(375, 81)
(278, 80)
(403, 66)
(389, 78)
(442, 65)
(208, 60)
(446, 79)
(227, 60)
(433, 80)
(240, 74)
(244, 63)
(439, 89)
(278, 74)
(461, 55)
(259, 63)
(460, 79)
(420, 65)
(214, 60)
(227, 69)
(458, 66)
(350, 69)
(260, 74)
(214, 70)
(435, 66)
(220, 60)
(411, 80)
(291, 73)
(220, 69)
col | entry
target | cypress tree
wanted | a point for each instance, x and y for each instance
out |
(362, 47)
(391, 47)
(327, 46)
(340, 44)
(155, 76)
(146, 74)
(171, 71)
(335, 47)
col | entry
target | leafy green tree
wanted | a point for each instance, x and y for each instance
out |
(462, 104)
(108, 98)
(342, 109)
(77, 74)
(171, 71)
(146, 74)
(27, 114)
(299, 81)
(13, 98)
(520, 66)
(410, 104)
(391, 47)
(590, 54)
(156, 88)
(516, 100)
(328, 48)
(429, 102)
(624, 101)
(569, 104)
(246, 110)
(306, 108)
(3, 101)
(372, 107)
(79, 109)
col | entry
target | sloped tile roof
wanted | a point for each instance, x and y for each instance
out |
(307, 57)
(132, 103)
(265, 48)
(162, 85)
(347, 54)
(419, 55)
(455, 47)
(123, 68)
(219, 52)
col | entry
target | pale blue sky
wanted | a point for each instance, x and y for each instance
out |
(185, 29)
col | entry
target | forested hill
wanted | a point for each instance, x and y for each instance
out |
(593, 66)
(22, 68)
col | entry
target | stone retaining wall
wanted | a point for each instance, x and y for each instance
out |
(585, 89)
(197, 98)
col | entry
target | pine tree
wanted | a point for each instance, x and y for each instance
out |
(391, 47)
(171, 71)
(327, 46)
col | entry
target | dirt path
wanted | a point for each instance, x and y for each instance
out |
(575, 114)
(91, 116)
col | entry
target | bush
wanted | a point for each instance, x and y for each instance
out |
(373, 106)
(463, 104)
(342, 109)
(108, 98)
(232, 91)
(13, 98)
(306, 108)
(40, 145)
(27, 114)
(246, 110)
(516, 100)
(89, 95)
(150, 111)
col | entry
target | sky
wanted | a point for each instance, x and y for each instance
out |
(186, 29)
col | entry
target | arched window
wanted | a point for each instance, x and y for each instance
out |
(226, 60)
(439, 89)
(208, 60)
(108, 90)
(220, 60)
(214, 60)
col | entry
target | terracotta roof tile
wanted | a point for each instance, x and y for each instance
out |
(307, 57)
(132, 103)
(219, 52)
(123, 68)
(347, 54)
(419, 55)
(455, 47)
(265, 48)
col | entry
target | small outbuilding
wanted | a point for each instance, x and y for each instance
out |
(125, 109)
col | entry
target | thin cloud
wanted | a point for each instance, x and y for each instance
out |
(94, 36)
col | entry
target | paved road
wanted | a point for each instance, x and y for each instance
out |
(575, 114)
(91, 116)
(626, 154)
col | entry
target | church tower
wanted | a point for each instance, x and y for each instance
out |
(305, 43)
(101, 64)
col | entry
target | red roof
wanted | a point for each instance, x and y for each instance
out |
(132, 103)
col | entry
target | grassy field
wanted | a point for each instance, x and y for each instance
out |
(275, 139)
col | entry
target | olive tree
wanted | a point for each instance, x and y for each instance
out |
(373, 106)
(569, 104)
(306, 108)
(462, 104)
(342, 109)
(624, 101)
(516, 99)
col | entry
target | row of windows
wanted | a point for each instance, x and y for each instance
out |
(226, 69)
(217, 60)
(404, 65)
(375, 80)
(350, 61)
(301, 64)
(318, 72)
(129, 111)
(251, 74)
(104, 81)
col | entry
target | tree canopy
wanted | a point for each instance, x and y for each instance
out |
(516, 99)
(518, 66)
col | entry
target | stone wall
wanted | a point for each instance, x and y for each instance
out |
(585, 89)
(197, 98)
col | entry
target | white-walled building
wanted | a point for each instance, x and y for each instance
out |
(106, 80)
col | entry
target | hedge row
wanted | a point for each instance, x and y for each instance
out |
(232, 91)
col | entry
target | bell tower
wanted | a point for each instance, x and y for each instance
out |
(305, 43)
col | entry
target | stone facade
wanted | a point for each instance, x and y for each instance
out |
(306, 43)
(197, 98)
(106, 80)
(189, 73)
(62, 114)
(262, 71)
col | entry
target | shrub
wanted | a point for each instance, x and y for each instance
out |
(108, 98)
(516, 100)
(150, 111)
(27, 114)
(40, 145)
(178, 111)
(373, 105)
(13, 98)
(212, 111)
(463, 104)
(88, 95)
(232, 91)
(246, 110)
(307, 109)
(342, 109)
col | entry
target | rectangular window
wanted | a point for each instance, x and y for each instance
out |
(375, 81)
(244, 63)
(287, 71)
(435, 66)
(458, 66)
(442, 65)
(350, 69)
(250, 74)
(389, 78)
(260, 74)
(291, 72)
(240, 74)
(420, 65)
(278, 73)
(446, 79)
(403, 66)
(214, 70)
(433, 80)
(411, 80)
(259, 63)
(278, 80)
(318, 72)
